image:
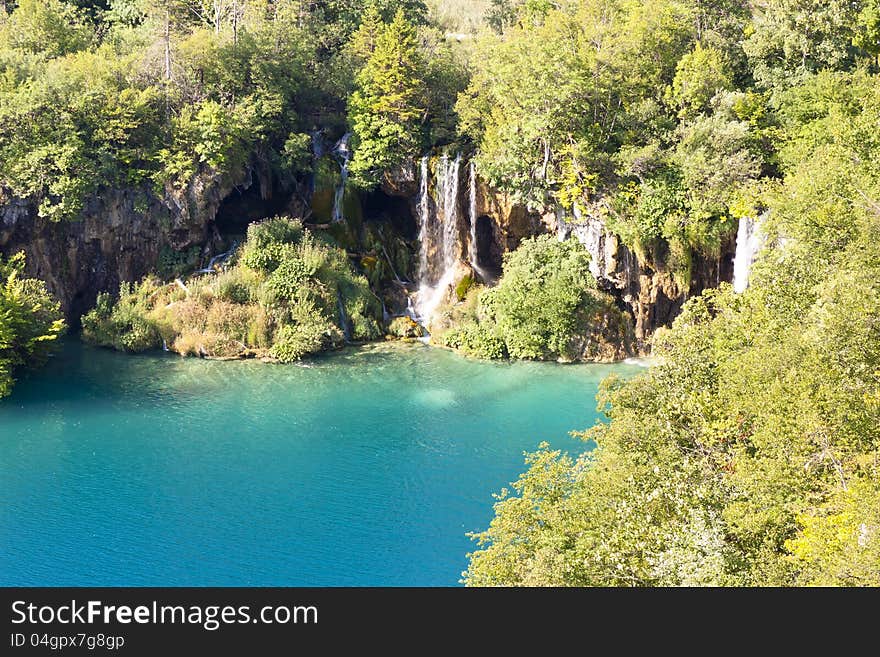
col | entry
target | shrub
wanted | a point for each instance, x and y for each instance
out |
(309, 333)
(125, 325)
(477, 341)
(543, 298)
(30, 321)
(280, 299)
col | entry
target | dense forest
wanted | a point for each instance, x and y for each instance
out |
(748, 454)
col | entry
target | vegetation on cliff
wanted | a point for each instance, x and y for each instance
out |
(147, 93)
(289, 293)
(545, 307)
(30, 321)
(748, 455)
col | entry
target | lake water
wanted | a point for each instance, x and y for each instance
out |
(364, 468)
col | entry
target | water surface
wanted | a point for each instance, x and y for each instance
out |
(361, 468)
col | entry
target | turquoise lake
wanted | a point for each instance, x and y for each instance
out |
(363, 468)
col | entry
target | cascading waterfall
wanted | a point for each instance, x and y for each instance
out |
(473, 254)
(447, 184)
(748, 243)
(439, 236)
(343, 155)
(344, 321)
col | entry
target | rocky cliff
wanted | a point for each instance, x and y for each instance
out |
(122, 235)
(125, 234)
(487, 223)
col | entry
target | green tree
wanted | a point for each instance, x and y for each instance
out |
(545, 306)
(699, 75)
(387, 108)
(48, 27)
(792, 38)
(30, 321)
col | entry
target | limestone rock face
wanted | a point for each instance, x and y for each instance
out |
(642, 284)
(510, 223)
(119, 237)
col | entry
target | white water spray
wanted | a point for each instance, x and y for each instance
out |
(439, 236)
(748, 243)
(217, 260)
(343, 156)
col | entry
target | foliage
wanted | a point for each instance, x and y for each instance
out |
(748, 454)
(791, 39)
(30, 321)
(385, 109)
(281, 299)
(564, 109)
(545, 305)
(146, 93)
(47, 28)
(699, 75)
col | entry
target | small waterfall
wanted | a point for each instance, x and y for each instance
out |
(343, 155)
(473, 254)
(592, 234)
(344, 322)
(748, 243)
(218, 260)
(424, 222)
(317, 144)
(439, 236)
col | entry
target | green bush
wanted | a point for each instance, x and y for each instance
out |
(173, 263)
(546, 306)
(281, 299)
(477, 341)
(309, 333)
(125, 325)
(30, 321)
(544, 298)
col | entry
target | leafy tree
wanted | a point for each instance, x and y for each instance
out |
(793, 38)
(387, 108)
(546, 306)
(747, 454)
(30, 321)
(699, 76)
(50, 28)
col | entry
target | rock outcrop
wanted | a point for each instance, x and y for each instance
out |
(643, 283)
(120, 236)
(124, 233)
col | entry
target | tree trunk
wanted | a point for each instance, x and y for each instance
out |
(167, 44)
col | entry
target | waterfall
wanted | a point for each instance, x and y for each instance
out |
(218, 259)
(473, 254)
(342, 154)
(424, 223)
(592, 234)
(447, 184)
(344, 322)
(439, 238)
(748, 243)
